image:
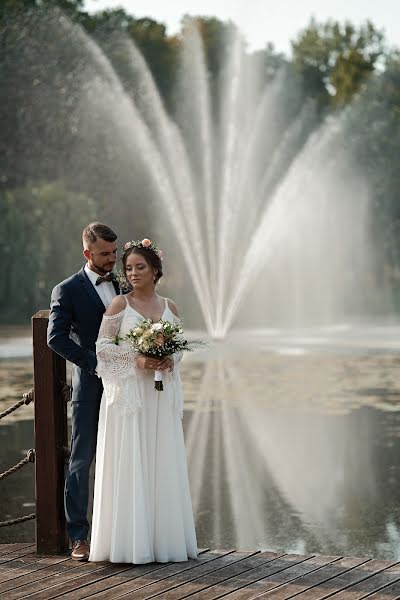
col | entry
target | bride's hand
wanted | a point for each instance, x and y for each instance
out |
(148, 362)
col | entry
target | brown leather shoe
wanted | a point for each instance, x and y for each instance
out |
(80, 550)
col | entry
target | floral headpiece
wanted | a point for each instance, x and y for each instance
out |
(148, 244)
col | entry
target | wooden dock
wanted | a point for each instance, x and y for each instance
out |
(216, 574)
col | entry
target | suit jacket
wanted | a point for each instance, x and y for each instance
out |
(76, 311)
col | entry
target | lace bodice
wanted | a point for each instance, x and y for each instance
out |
(116, 363)
(131, 318)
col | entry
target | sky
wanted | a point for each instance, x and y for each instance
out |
(264, 21)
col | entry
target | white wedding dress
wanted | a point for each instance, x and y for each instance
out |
(142, 510)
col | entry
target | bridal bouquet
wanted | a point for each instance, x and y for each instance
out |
(159, 340)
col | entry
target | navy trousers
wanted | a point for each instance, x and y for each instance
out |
(85, 416)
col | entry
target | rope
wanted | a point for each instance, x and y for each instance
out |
(27, 398)
(19, 520)
(30, 457)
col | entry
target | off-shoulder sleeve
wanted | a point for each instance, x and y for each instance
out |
(116, 365)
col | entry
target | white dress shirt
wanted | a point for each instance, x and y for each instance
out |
(105, 290)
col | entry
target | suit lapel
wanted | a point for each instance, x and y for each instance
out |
(116, 287)
(87, 284)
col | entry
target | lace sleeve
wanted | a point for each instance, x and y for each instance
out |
(116, 365)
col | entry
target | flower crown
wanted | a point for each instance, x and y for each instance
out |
(148, 244)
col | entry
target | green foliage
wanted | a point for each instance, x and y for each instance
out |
(215, 34)
(40, 232)
(8, 7)
(108, 21)
(374, 123)
(273, 62)
(335, 60)
(111, 27)
(159, 50)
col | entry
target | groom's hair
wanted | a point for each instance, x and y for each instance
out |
(97, 230)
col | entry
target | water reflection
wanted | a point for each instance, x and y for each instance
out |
(17, 497)
(290, 448)
(297, 453)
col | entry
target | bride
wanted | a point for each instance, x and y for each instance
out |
(142, 510)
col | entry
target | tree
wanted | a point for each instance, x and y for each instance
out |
(159, 50)
(373, 126)
(10, 7)
(273, 61)
(215, 35)
(40, 233)
(335, 60)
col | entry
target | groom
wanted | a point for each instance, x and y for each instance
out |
(76, 311)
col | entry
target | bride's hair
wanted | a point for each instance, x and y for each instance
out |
(149, 255)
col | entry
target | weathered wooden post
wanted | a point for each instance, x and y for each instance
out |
(51, 438)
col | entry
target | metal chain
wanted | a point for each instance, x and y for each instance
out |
(27, 398)
(30, 457)
(19, 520)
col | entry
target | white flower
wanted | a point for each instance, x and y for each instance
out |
(157, 327)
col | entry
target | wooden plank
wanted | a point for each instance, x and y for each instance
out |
(290, 563)
(154, 582)
(250, 577)
(372, 584)
(27, 570)
(391, 592)
(115, 586)
(8, 548)
(218, 574)
(17, 554)
(10, 569)
(182, 584)
(49, 370)
(62, 588)
(329, 581)
(220, 584)
(21, 568)
(342, 581)
(53, 575)
(293, 576)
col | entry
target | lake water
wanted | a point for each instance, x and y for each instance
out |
(293, 440)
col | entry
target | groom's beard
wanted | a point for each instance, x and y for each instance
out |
(102, 270)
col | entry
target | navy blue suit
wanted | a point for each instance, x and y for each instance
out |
(76, 312)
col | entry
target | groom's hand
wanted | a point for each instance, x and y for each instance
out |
(166, 364)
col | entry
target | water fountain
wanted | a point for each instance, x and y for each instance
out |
(257, 207)
(267, 210)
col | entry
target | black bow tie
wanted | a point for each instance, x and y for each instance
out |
(102, 278)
